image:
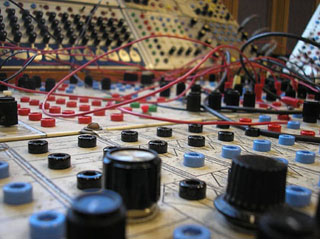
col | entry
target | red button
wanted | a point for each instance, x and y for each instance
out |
(128, 108)
(73, 97)
(308, 133)
(61, 89)
(274, 127)
(116, 117)
(142, 101)
(61, 101)
(263, 105)
(245, 120)
(23, 111)
(84, 107)
(127, 97)
(55, 109)
(71, 104)
(34, 102)
(64, 85)
(161, 99)
(276, 104)
(84, 119)
(25, 99)
(35, 116)
(68, 112)
(51, 98)
(48, 122)
(284, 117)
(115, 95)
(46, 106)
(18, 106)
(84, 100)
(145, 108)
(100, 113)
(96, 103)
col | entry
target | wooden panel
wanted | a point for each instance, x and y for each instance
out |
(232, 6)
(279, 22)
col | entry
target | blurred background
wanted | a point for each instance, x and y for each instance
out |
(277, 15)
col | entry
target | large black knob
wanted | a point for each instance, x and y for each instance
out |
(311, 111)
(255, 184)
(8, 111)
(135, 175)
(96, 215)
(286, 223)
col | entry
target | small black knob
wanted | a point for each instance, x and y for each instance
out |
(99, 21)
(15, 27)
(84, 40)
(1, 18)
(3, 35)
(189, 50)
(110, 22)
(193, 22)
(76, 19)
(32, 37)
(64, 17)
(17, 36)
(11, 12)
(13, 20)
(94, 34)
(80, 26)
(70, 32)
(25, 13)
(108, 42)
(2, 26)
(60, 38)
(126, 36)
(91, 26)
(123, 29)
(67, 25)
(46, 38)
(30, 28)
(43, 30)
(54, 24)
(201, 34)
(39, 14)
(27, 21)
(41, 22)
(120, 23)
(52, 16)
(72, 39)
(172, 50)
(197, 52)
(57, 31)
(180, 51)
(102, 27)
(97, 41)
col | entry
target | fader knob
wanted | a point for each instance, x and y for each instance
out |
(255, 184)
(135, 175)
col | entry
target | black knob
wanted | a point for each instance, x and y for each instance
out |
(25, 14)
(189, 50)
(126, 36)
(228, 16)
(41, 22)
(311, 111)
(13, 20)
(30, 28)
(172, 50)
(108, 42)
(198, 11)
(123, 29)
(99, 21)
(214, 100)
(70, 32)
(193, 101)
(60, 38)
(255, 184)
(193, 22)
(2, 26)
(110, 22)
(64, 17)
(94, 34)
(11, 12)
(54, 24)
(96, 215)
(120, 23)
(232, 98)
(43, 30)
(1, 18)
(249, 99)
(119, 42)
(39, 14)
(97, 41)
(206, 28)
(52, 16)
(116, 35)
(72, 39)
(201, 34)
(3, 35)
(180, 51)
(286, 223)
(32, 37)
(135, 175)
(46, 38)
(27, 21)
(91, 26)
(15, 27)
(84, 40)
(76, 19)
(197, 52)
(57, 31)
(17, 36)
(80, 26)
(67, 25)
(103, 27)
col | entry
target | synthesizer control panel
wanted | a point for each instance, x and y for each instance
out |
(68, 25)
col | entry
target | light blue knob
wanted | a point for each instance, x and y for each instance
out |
(285, 139)
(261, 145)
(191, 231)
(193, 160)
(293, 125)
(264, 118)
(17, 193)
(230, 151)
(297, 196)
(305, 157)
(4, 169)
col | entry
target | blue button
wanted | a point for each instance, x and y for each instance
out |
(305, 157)
(80, 84)
(285, 139)
(193, 160)
(297, 196)
(72, 87)
(4, 169)
(17, 193)
(47, 224)
(297, 116)
(113, 87)
(119, 85)
(69, 91)
(42, 88)
(293, 125)
(230, 151)
(6, 4)
(128, 86)
(191, 231)
(33, 5)
(261, 145)
(264, 118)
(122, 89)
(137, 88)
